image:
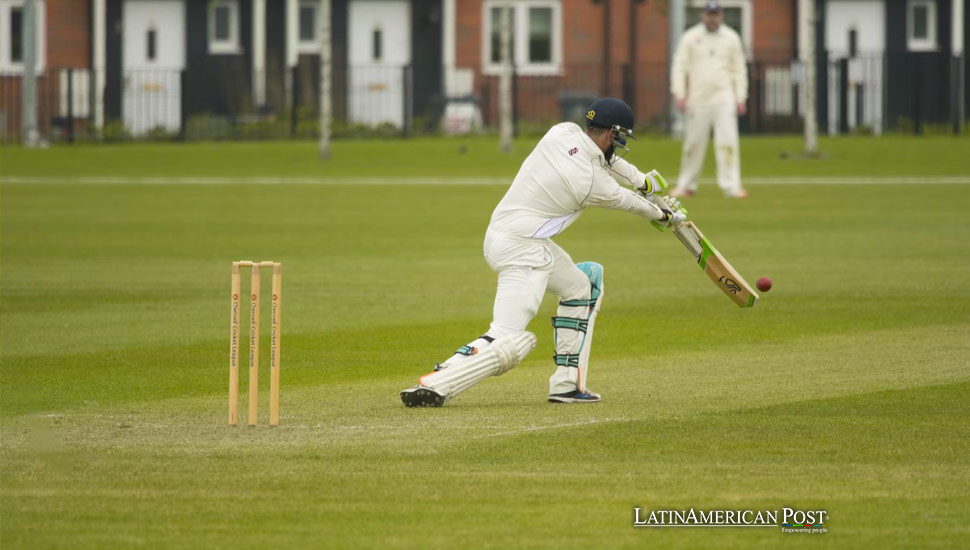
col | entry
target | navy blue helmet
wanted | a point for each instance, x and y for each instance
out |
(615, 115)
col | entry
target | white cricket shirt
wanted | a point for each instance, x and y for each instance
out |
(565, 173)
(709, 67)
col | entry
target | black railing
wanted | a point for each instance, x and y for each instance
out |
(63, 103)
(894, 91)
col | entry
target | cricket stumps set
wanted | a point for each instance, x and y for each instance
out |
(274, 361)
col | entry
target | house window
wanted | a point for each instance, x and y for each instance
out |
(496, 33)
(737, 15)
(540, 35)
(224, 27)
(535, 28)
(12, 21)
(16, 35)
(222, 15)
(921, 25)
(150, 45)
(307, 25)
(378, 45)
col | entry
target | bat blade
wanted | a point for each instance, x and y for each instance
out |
(724, 276)
(729, 281)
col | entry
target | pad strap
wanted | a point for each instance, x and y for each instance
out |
(578, 303)
(494, 360)
(571, 323)
(566, 359)
(469, 350)
(466, 350)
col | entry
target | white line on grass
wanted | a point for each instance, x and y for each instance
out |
(550, 427)
(218, 180)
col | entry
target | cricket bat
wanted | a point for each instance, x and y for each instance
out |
(708, 258)
(717, 268)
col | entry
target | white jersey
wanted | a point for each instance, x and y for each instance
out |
(564, 174)
(709, 67)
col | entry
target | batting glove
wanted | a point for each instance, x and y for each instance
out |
(653, 183)
(674, 213)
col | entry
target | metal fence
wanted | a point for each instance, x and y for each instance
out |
(872, 93)
(868, 93)
(59, 118)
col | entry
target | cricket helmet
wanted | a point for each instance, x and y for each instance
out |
(613, 114)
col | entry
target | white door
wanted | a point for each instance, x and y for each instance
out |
(856, 29)
(379, 51)
(153, 51)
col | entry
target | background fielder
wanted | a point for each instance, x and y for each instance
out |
(710, 84)
(568, 170)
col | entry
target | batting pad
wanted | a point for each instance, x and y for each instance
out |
(495, 360)
(573, 331)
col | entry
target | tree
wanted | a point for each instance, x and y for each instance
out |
(505, 81)
(806, 10)
(326, 80)
(29, 81)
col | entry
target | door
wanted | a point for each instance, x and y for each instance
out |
(855, 32)
(379, 54)
(153, 52)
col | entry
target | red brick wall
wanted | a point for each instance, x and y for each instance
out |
(582, 27)
(68, 33)
(68, 46)
(773, 25)
(468, 34)
(652, 71)
(583, 71)
(11, 101)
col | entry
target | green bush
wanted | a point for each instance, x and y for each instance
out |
(270, 127)
(114, 131)
(345, 129)
(207, 126)
(160, 133)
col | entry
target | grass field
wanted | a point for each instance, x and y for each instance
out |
(847, 388)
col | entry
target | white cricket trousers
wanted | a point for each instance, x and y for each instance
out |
(526, 269)
(698, 124)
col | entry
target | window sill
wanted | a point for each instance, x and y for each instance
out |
(922, 47)
(225, 49)
(17, 69)
(308, 47)
(526, 70)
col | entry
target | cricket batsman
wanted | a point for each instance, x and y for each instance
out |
(709, 82)
(569, 170)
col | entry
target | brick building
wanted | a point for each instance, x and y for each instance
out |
(250, 68)
(567, 52)
(63, 51)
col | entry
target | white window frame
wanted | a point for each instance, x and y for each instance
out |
(231, 45)
(6, 64)
(520, 32)
(747, 21)
(308, 46)
(927, 44)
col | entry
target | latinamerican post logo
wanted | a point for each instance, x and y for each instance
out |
(789, 520)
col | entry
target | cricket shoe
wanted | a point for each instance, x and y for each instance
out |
(420, 396)
(739, 194)
(574, 396)
(679, 193)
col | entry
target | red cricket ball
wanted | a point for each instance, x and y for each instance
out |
(764, 284)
